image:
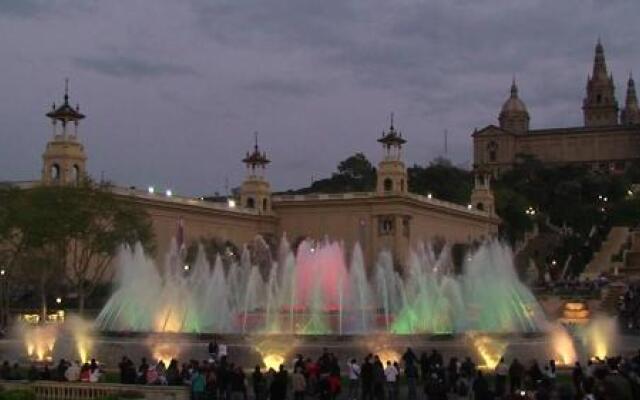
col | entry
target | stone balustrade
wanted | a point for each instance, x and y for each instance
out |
(51, 390)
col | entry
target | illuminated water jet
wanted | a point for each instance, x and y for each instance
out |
(317, 291)
(489, 349)
(40, 341)
(600, 335)
(563, 347)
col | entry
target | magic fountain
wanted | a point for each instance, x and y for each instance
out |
(301, 301)
(317, 292)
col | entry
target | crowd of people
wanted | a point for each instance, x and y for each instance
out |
(629, 308)
(427, 376)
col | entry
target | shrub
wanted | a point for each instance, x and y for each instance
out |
(17, 394)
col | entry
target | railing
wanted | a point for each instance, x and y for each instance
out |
(50, 390)
(182, 200)
(369, 195)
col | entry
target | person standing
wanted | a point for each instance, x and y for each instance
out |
(391, 377)
(197, 385)
(298, 384)
(411, 373)
(366, 377)
(577, 376)
(259, 384)
(516, 373)
(501, 377)
(378, 379)
(354, 379)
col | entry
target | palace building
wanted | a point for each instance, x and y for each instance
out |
(389, 218)
(608, 140)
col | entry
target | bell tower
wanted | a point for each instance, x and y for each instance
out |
(392, 174)
(481, 196)
(631, 113)
(64, 160)
(600, 107)
(255, 192)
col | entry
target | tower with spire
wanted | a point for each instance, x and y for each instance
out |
(514, 116)
(630, 115)
(64, 159)
(600, 107)
(392, 174)
(481, 196)
(255, 192)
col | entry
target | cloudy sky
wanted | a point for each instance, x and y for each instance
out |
(173, 90)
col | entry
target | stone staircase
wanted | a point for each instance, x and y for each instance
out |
(601, 261)
(610, 297)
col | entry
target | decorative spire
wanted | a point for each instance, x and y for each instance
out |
(514, 88)
(66, 91)
(65, 113)
(631, 113)
(599, 62)
(256, 158)
(392, 138)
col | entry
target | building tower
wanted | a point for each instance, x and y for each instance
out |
(514, 116)
(481, 196)
(255, 192)
(600, 107)
(631, 113)
(392, 174)
(64, 160)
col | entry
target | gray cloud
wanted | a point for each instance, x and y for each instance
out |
(23, 8)
(131, 67)
(316, 78)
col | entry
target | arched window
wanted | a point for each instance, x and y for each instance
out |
(480, 206)
(75, 174)
(492, 147)
(388, 185)
(265, 204)
(54, 172)
(599, 98)
(402, 185)
(251, 203)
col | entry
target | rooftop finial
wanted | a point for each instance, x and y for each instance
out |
(66, 91)
(514, 86)
(255, 138)
(391, 120)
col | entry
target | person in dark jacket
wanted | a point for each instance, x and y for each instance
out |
(481, 388)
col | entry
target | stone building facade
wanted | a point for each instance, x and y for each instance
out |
(389, 218)
(608, 140)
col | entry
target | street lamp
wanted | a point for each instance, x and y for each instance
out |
(186, 267)
(58, 300)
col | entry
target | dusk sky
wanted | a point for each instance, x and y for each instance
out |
(173, 90)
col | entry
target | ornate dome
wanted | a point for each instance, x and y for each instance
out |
(513, 103)
(514, 116)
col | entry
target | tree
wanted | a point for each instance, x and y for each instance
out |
(101, 224)
(355, 174)
(69, 234)
(443, 180)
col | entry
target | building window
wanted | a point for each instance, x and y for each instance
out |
(54, 173)
(492, 147)
(388, 185)
(402, 185)
(385, 225)
(599, 98)
(619, 165)
(480, 206)
(251, 203)
(406, 226)
(265, 204)
(75, 174)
